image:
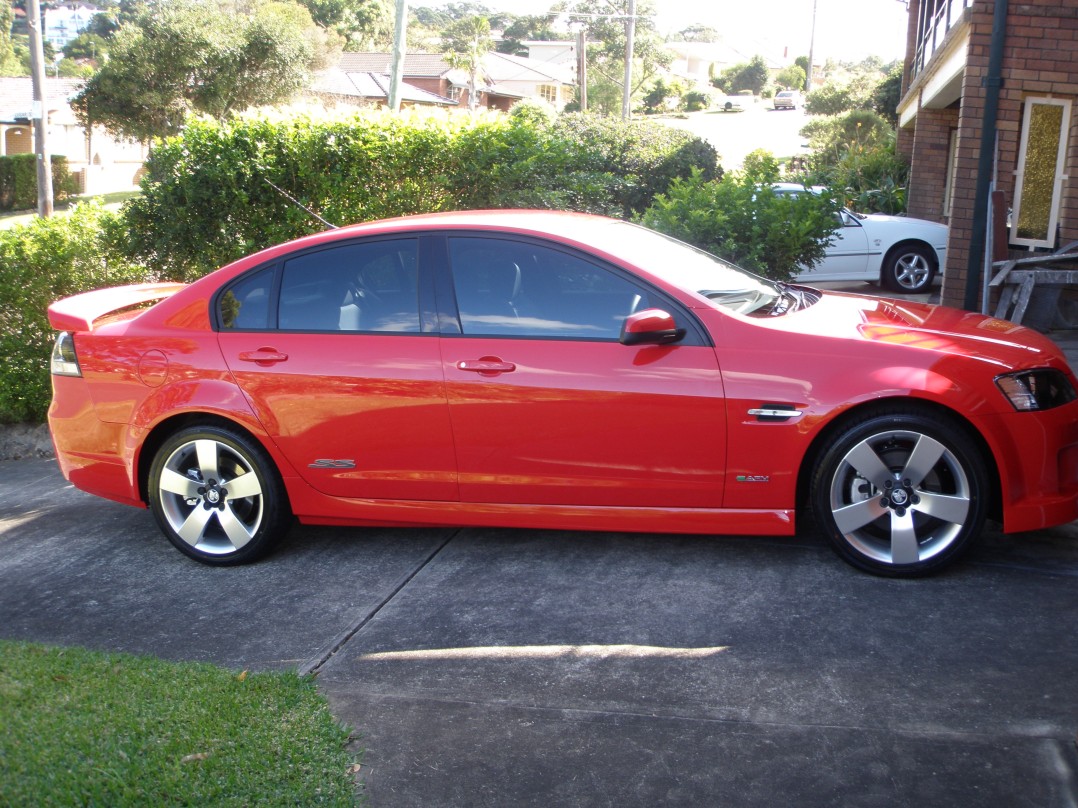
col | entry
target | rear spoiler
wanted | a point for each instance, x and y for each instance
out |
(77, 313)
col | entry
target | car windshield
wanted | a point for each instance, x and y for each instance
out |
(686, 267)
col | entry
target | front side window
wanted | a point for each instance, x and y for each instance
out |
(511, 288)
(360, 286)
(1041, 163)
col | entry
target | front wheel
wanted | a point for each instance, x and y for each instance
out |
(217, 496)
(901, 494)
(909, 269)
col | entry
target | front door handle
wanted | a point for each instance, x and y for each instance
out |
(486, 366)
(264, 356)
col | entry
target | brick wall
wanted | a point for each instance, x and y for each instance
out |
(1041, 38)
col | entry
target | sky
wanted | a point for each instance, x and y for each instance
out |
(846, 30)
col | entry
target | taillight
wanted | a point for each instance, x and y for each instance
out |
(64, 361)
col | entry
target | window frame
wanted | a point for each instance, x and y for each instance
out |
(1059, 175)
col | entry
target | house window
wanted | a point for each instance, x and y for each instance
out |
(454, 93)
(1041, 161)
(549, 93)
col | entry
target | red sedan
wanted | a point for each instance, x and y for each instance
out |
(553, 370)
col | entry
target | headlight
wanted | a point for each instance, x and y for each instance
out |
(1036, 389)
(64, 362)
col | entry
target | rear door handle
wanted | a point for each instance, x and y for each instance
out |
(486, 366)
(264, 356)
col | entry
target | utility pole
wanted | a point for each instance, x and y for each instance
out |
(582, 67)
(39, 112)
(400, 42)
(630, 32)
(812, 47)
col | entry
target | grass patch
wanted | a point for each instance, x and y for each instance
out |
(110, 201)
(86, 728)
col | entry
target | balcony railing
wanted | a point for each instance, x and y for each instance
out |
(935, 19)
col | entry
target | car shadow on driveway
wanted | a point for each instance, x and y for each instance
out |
(495, 667)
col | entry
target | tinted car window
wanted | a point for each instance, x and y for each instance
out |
(369, 286)
(246, 304)
(511, 288)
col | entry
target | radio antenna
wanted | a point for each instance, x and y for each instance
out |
(297, 203)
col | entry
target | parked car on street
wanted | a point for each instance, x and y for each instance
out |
(788, 99)
(900, 253)
(537, 369)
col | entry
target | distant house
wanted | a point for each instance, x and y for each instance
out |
(65, 22)
(699, 62)
(100, 162)
(956, 142)
(503, 81)
(368, 89)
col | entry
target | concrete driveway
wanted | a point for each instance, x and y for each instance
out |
(498, 667)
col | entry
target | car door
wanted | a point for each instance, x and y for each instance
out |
(548, 407)
(847, 255)
(330, 350)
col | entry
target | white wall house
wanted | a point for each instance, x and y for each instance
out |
(101, 162)
(65, 23)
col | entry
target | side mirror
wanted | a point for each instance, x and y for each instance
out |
(650, 327)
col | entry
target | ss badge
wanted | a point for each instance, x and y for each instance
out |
(332, 464)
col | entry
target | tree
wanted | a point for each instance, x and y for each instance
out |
(464, 44)
(604, 24)
(792, 78)
(753, 76)
(521, 29)
(887, 94)
(9, 63)
(696, 33)
(359, 21)
(88, 47)
(200, 56)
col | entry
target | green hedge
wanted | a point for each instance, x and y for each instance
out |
(18, 181)
(207, 199)
(39, 263)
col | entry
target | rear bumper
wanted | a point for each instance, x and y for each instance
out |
(92, 454)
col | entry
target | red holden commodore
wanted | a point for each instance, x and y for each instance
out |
(554, 370)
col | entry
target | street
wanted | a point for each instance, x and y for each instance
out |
(735, 134)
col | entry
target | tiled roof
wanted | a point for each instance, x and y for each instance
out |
(17, 94)
(372, 85)
(503, 67)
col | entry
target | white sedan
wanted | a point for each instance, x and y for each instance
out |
(900, 253)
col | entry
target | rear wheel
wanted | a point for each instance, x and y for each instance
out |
(909, 269)
(901, 494)
(217, 496)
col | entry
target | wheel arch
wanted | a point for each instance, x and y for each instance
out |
(885, 406)
(163, 430)
(904, 244)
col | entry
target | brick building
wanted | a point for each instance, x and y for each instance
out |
(989, 92)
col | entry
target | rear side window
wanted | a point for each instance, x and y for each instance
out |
(363, 286)
(246, 304)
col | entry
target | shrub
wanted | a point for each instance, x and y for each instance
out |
(855, 155)
(41, 262)
(740, 219)
(207, 199)
(696, 100)
(18, 181)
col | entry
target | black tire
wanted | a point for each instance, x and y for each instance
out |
(217, 496)
(909, 269)
(901, 494)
